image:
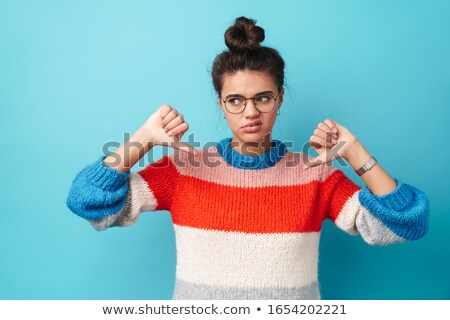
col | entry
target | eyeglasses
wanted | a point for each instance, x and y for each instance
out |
(263, 103)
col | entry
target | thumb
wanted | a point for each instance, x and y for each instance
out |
(184, 147)
(314, 162)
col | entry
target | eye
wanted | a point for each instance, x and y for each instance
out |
(262, 98)
(234, 101)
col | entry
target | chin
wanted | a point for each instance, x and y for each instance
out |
(252, 137)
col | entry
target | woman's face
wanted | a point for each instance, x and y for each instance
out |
(248, 84)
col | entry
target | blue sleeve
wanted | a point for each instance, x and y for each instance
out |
(98, 191)
(405, 211)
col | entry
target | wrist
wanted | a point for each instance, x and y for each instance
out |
(133, 149)
(357, 155)
(145, 137)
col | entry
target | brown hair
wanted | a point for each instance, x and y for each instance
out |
(245, 53)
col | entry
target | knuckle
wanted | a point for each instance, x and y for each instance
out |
(162, 109)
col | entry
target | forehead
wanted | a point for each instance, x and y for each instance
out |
(247, 83)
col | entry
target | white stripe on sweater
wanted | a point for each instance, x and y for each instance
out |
(139, 198)
(246, 259)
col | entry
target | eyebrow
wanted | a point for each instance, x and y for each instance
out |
(236, 94)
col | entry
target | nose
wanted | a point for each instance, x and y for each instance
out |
(250, 109)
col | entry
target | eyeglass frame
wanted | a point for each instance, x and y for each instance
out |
(254, 104)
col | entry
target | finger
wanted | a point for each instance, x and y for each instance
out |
(320, 133)
(322, 142)
(170, 116)
(184, 147)
(332, 125)
(324, 135)
(164, 110)
(180, 129)
(316, 146)
(325, 127)
(174, 123)
(327, 130)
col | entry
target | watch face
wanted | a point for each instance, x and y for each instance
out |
(366, 166)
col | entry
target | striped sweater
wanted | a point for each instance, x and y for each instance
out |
(247, 227)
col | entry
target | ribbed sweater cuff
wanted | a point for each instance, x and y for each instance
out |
(398, 200)
(104, 177)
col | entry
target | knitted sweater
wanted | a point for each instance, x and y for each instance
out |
(247, 227)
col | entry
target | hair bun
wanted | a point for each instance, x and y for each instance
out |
(244, 35)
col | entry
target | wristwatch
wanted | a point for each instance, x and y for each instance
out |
(366, 166)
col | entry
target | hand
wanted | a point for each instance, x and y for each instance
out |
(166, 126)
(331, 141)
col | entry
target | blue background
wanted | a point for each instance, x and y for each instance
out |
(77, 74)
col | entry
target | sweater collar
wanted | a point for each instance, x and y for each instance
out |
(243, 161)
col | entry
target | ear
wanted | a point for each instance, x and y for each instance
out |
(219, 101)
(281, 96)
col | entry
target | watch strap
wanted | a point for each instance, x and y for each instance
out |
(366, 166)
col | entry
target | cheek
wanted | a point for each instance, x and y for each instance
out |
(233, 124)
(270, 120)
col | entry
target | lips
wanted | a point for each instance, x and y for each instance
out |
(253, 123)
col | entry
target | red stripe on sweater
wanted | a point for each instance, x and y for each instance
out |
(202, 204)
(337, 189)
(161, 177)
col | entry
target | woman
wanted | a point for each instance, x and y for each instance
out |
(248, 223)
